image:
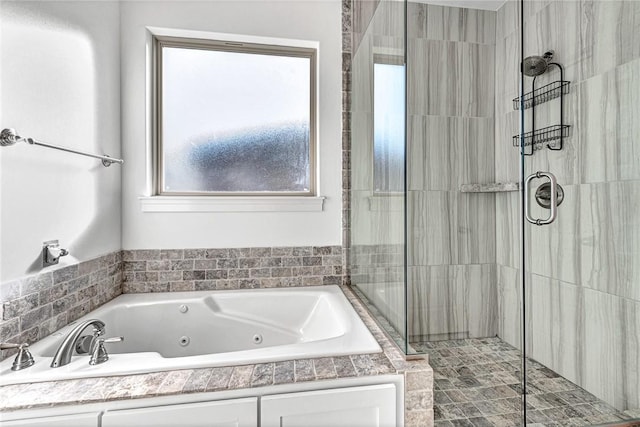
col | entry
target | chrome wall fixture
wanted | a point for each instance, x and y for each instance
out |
(9, 137)
(535, 66)
(51, 253)
(552, 198)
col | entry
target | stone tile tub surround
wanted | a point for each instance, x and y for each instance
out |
(161, 270)
(35, 306)
(418, 379)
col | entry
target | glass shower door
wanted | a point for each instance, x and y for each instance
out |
(580, 178)
(377, 184)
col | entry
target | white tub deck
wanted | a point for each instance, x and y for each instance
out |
(185, 330)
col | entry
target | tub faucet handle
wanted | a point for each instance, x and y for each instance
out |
(23, 359)
(99, 353)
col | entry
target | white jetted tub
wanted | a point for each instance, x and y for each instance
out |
(183, 330)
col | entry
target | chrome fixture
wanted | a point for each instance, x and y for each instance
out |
(10, 137)
(23, 358)
(543, 195)
(51, 253)
(552, 198)
(65, 351)
(533, 66)
(99, 353)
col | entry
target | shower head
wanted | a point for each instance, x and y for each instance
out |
(535, 65)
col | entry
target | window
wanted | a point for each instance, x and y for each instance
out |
(388, 124)
(234, 118)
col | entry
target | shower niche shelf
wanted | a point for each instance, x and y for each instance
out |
(543, 94)
(492, 187)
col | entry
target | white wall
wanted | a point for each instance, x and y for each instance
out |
(317, 21)
(60, 84)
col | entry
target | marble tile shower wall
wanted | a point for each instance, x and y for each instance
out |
(451, 239)
(35, 306)
(583, 270)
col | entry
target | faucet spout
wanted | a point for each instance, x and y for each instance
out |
(65, 351)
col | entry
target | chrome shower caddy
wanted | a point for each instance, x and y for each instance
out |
(534, 139)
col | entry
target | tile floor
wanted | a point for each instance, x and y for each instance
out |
(477, 383)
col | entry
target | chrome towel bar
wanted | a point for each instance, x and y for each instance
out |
(9, 137)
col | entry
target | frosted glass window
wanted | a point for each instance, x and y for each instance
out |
(235, 118)
(388, 127)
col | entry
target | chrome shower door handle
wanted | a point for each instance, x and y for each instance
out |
(554, 198)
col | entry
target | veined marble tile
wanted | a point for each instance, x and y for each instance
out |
(435, 22)
(557, 27)
(362, 151)
(437, 302)
(362, 14)
(389, 19)
(609, 127)
(374, 227)
(554, 250)
(509, 289)
(389, 45)
(450, 78)
(609, 35)
(362, 78)
(507, 72)
(507, 19)
(481, 296)
(611, 359)
(508, 238)
(449, 227)
(452, 299)
(418, 152)
(446, 152)
(477, 80)
(507, 157)
(555, 335)
(609, 239)
(532, 7)
(416, 20)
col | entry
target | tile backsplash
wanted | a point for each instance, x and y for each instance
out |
(235, 268)
(35, 306)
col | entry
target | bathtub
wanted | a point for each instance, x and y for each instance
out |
(183, 330)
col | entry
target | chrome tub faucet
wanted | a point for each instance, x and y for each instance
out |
(65, 351)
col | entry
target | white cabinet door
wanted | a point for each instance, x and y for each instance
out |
(78, 420)
(370, 406)
(225, 413)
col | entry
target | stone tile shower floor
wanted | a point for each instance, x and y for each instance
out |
(476, 383)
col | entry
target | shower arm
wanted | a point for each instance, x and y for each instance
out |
(10, 137)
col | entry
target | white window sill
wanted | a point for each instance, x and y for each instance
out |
(231, 204)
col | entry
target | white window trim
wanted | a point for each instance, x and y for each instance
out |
(155, 203)
(231, 204)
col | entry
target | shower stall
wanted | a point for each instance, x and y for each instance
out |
(495, 201)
